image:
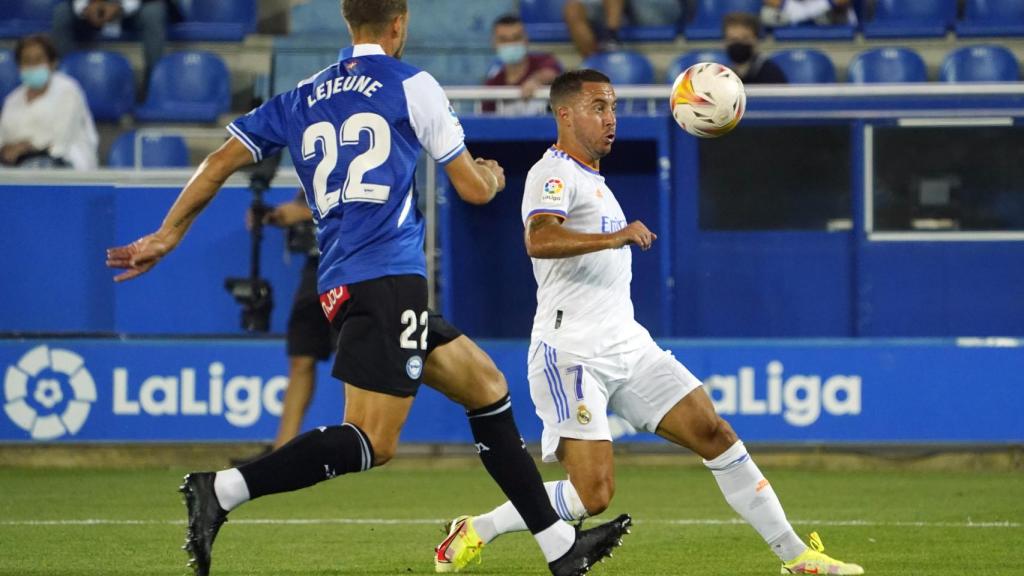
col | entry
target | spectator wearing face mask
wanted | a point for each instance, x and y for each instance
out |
(741, 31)
(776, 13)
(45, 121)
(518, 67)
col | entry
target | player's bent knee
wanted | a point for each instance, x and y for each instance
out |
(597, 495)
(723, 432)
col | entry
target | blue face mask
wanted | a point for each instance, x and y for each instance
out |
(35, 77)
(512, 52)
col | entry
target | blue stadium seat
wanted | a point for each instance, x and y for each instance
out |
(220, 21)
(887, 65)
(814, 32)
(23, 17)
(158, 151)
(911, 18)
(688, 59)
(10, 77)
(107, 80)
(623, 67)
(187, 87)
(805, 66)
(992, 18)
(707, 24)
(543, 20)
(980, 64)
(433, 26)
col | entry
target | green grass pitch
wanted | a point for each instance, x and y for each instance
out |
(92, 522)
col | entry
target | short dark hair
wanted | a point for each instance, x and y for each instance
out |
(41, 40)
(570, 83)
(371, 13)
(507, 20)
(745, 19)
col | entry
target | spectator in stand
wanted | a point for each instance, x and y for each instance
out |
(741, 32)
(45, 121)
(775, 13)
(594, 24)
(78, 21)
(518, 67)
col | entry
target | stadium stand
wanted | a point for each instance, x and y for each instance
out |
(107, 80)
(887, 65)
(707, 24)
(992, 18)
(23, 17)
(980, 64)
(543, 20)
(805, 66)
(9, 77)
(688, 59)
(623, 67)
(158, 151)
(223, 21)
(911, 18)
(191, 86)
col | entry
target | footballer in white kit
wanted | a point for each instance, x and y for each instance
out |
(588, 355)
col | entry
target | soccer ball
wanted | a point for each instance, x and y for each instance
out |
(708, 100)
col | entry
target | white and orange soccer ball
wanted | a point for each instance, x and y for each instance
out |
(708, 100)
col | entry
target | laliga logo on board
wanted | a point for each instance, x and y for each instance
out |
(799, 399)
(48, 393)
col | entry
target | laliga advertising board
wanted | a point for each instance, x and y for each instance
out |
(832, 391)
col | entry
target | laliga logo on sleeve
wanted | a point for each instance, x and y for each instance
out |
(48, 393)
(553, 189)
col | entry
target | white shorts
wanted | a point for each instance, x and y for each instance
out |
(573, 395)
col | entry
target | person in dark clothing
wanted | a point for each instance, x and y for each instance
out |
(741, 32)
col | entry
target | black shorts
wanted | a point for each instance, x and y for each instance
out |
(309, 332)
(382, 341)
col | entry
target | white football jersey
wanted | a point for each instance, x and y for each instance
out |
(583, 302)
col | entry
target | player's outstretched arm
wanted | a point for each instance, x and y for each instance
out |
(547, 238)
(476, 181)
(139, 256)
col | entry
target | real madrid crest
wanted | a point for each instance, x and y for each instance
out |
(583, 415)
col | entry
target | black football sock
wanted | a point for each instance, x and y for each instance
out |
(317, 455)
(504, 455)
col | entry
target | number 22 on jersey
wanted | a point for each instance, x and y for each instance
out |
(329, 139)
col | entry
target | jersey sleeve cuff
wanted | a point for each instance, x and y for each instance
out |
(546, 211)
(444, 160)
(237, 132)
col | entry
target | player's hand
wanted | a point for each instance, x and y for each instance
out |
(139, 256)
(287, 214)
(637, 234)
(529, 88)
(496, 170)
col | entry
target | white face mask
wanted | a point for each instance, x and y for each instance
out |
(511, 52)
(35, 77)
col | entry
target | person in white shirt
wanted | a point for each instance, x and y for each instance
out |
(46, 117)
(78, 21)
(588, 354)
(776, 13)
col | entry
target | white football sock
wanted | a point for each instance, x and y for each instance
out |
(230, 488)
(556, 540)
(752, 497)
(505, 518)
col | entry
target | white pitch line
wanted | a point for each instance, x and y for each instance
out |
(439, 521)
